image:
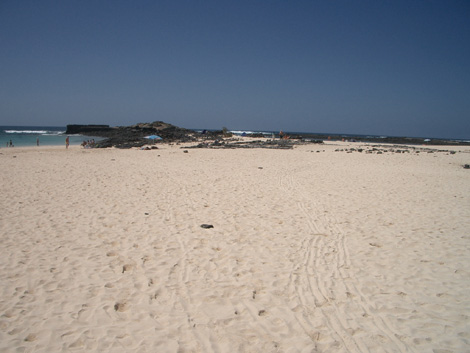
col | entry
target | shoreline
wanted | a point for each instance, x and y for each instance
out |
(352, 145)
(133, 136)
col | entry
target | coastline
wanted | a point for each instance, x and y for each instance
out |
(314, 248)
(135, 136)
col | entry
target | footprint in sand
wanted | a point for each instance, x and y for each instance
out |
(127, 267)
(77, 344)
(122, 306)
(9, 314)
(31, 337)
(154, 296)
(15, 331)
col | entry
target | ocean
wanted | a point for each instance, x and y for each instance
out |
(26, 136)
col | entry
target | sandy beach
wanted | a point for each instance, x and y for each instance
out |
(314, 249)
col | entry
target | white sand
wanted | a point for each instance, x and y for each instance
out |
(102, 250)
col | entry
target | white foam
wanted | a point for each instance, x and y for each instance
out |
(26, 131)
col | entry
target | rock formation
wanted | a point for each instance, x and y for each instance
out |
(134, 135)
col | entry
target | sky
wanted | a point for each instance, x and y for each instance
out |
(392, 68)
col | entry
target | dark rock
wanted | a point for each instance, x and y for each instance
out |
(466, 166)
(86, 129)
(256, 135)
(375, 139)
(207, 226)
(134, 136)
(278, 144)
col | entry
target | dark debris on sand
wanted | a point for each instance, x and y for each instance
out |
(381, 149)
(237, 143)
(281, 144)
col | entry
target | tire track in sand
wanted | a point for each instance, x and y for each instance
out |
(349, 281)
(185, 297)
(309, 285)
(324, 276)
(318, 256)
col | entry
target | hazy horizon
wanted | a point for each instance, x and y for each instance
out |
(337, 133)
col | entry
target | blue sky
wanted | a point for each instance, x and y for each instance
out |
(361, 67)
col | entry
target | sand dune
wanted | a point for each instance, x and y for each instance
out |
(311, 250)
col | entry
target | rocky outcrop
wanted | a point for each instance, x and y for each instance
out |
(91, 130)
(134, 135)
(375, 139)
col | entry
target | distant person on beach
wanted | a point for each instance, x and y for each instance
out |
(67, 142)
(37, 141)
(11, 143)
(281, 134)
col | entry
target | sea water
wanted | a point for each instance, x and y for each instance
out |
(25, 136)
